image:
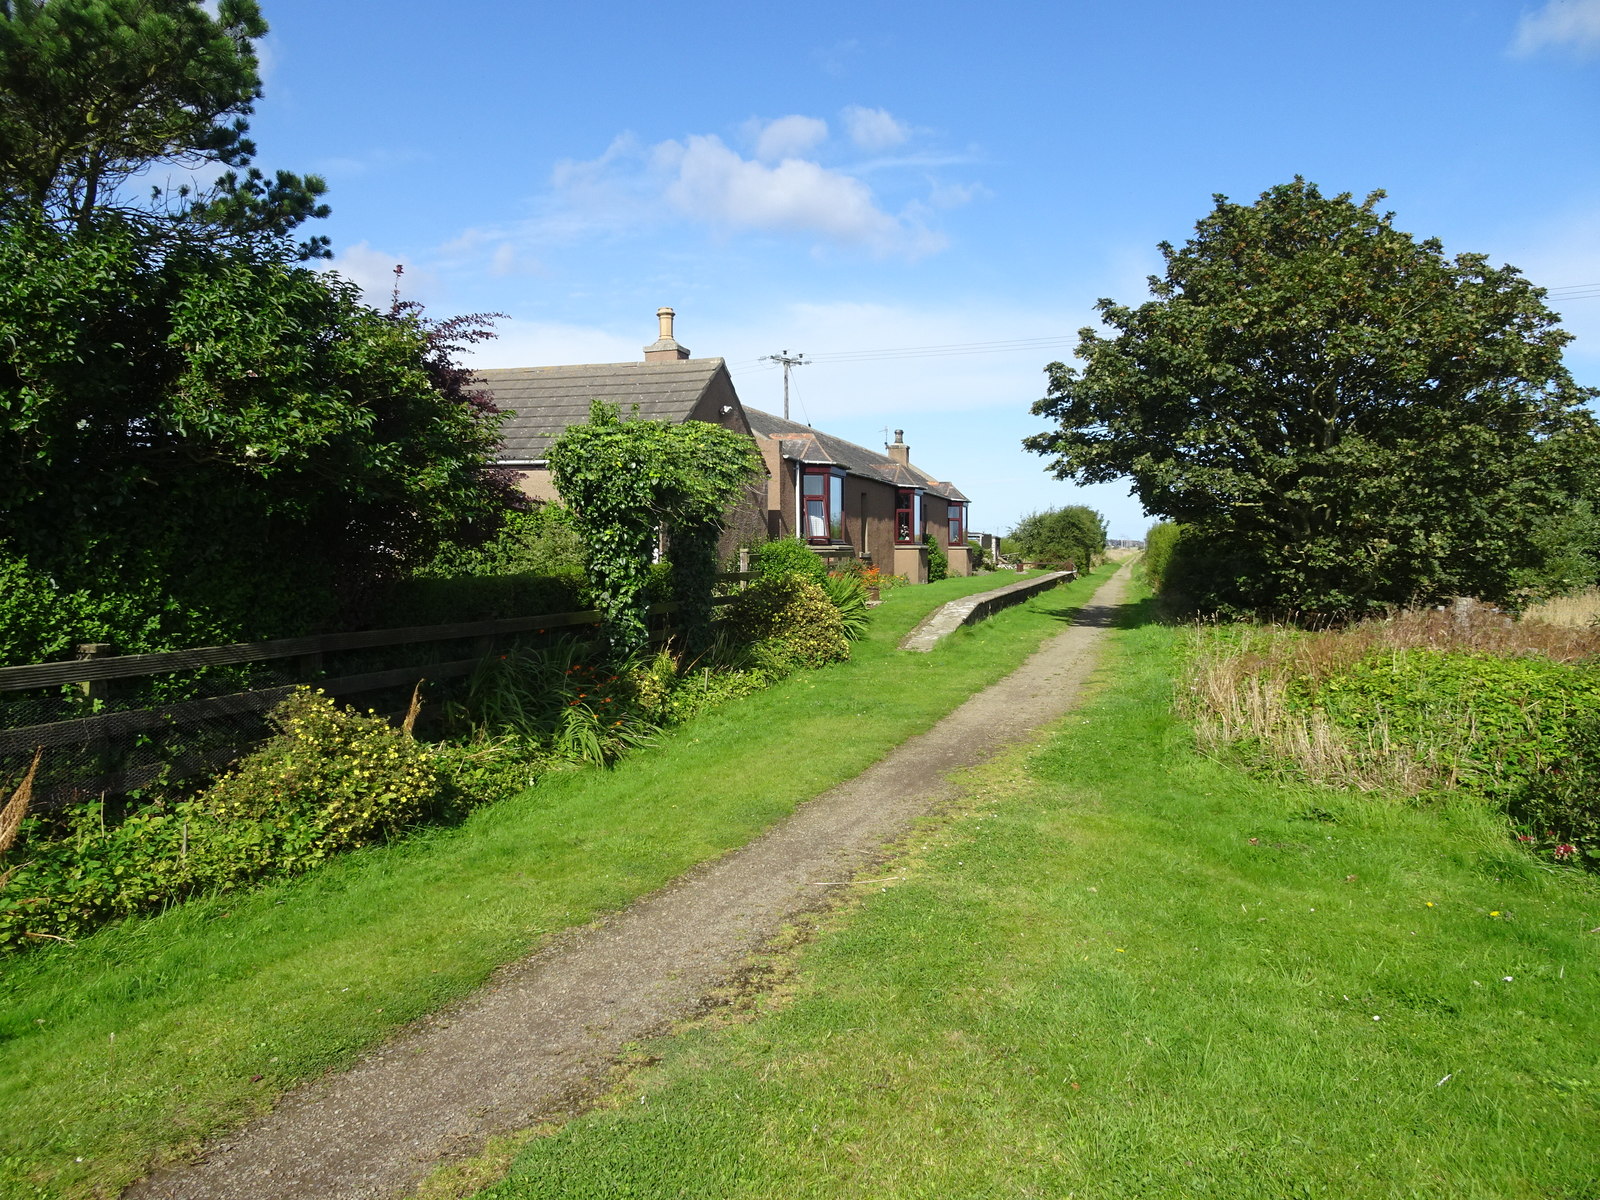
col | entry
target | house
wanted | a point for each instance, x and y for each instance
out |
(667, 385)
(848, 501)
(844, 499)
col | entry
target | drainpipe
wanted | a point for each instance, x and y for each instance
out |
(797, 515)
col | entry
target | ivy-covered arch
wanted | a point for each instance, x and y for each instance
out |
(625, 480)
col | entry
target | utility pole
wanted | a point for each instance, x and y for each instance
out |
(788, 360)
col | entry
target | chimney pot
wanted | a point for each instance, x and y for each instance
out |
(898, 451)
(665, 348)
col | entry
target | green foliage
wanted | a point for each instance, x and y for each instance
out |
(171, 421)
(1342, 418)
(1491, 723)
(534, 564)
(787, 556)
(541, 540)
(329, 780)
(790, 623)
(557, 701)
(1074, 534)
(849, 595)
(1159, 545)
(938, 560)
(96, 92)
(1557, 813)
(342, 778)
(623, 481)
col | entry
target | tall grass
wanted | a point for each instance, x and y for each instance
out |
(1247, 688)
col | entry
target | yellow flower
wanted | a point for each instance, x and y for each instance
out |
(1495, 913)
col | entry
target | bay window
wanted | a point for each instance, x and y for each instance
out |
(822, 505)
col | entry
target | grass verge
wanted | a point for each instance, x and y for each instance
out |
(136, 1043)
(1126, 970)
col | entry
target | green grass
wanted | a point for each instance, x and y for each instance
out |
(1127, 971)
(136, 1043)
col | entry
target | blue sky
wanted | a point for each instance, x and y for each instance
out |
(955, 184)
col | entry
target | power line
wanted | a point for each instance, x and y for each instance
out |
(1575, 291)
(788, 360)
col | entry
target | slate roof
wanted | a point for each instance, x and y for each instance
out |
(548, 399)
(801, 443)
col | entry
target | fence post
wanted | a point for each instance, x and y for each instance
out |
(96, 692)
(744, 566)
(94, 689)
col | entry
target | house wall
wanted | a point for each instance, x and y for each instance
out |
(535, 482)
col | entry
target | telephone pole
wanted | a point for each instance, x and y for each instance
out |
(788, 360)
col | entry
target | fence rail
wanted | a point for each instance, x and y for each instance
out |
(93, 672)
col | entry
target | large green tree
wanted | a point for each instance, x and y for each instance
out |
(199, 445)
(138, 108)
(1342, 417)
(1075, 534)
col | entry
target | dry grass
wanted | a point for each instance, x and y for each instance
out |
(1580, 610)
(1236, 691)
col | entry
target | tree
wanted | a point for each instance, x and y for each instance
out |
(1343, 418)
(96, 96)
(1071, 534)
(199, 445)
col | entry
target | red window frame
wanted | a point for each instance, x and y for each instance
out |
(907, 516)
(958, 523)
(822, 505)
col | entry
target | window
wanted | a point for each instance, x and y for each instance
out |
(958, 524)
(908, 516)
(822, 505)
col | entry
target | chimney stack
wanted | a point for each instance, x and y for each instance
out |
(665, 348)
(899, 452)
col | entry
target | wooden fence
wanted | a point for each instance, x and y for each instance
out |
(95, 669)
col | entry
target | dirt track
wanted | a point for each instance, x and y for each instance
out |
(535, 1040)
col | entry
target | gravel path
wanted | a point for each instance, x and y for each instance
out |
(540, 1036)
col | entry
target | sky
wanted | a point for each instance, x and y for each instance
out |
(926, 200)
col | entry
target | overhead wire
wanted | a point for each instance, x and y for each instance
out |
(1576, 291)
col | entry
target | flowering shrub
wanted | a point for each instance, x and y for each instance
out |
(331, 779)
(789, 622)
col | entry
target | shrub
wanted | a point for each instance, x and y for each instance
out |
(330, 780)
(1159, 544)
(559, 700)
(849, 595)
(1557, 812)
(786, 556)
(789, 622)
(938, 560)
(341, 778)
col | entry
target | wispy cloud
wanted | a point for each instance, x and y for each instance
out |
(1570, 24)
(373, 271)
(836, 59)
(873, 129)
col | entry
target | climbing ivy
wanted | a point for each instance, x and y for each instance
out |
(626, 481)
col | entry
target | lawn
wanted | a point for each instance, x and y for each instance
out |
(134, 1044)
(1125, 970)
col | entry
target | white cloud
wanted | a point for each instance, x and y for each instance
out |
(1571, 23)
(552, 343)
(373, 272)
(713, 183)
(786, 137)
(873, 128)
